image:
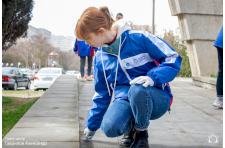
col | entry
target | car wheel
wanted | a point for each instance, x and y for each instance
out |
(14, 86)
(28, 85)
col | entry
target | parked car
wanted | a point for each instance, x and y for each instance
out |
(25, 69)
(75, 73)
(70, 72)
(46, 77)
(12, 78)
(30, 74)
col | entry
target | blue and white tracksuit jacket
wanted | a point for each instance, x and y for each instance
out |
(83, 49)
(113, 72)
(219, 40)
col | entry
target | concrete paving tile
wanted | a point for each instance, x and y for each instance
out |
(83, 114)
(209, 108)
(46, 145)
(84, 108)
(178, 103)
(47, 122)
(85, 103)
(90, 91)
(162, 127)
(87, 94)
(60, 88)
(219, 117)
(55, 92)
(205, 139)
(98, 144)
(58, 100)
(54, 112)
(182, 94)
(85, 98)
(61, 92)
(199, 128)
(171, 140)
(60, 95)
(184, 110)
(55, 105)
(191, 117)
(54, 134)
(82, 127)
(199, 100)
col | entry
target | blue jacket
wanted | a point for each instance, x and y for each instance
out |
(219, 40)
(136, 51)
(83, 49)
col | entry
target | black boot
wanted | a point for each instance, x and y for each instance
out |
(140, 139)
(128, 137)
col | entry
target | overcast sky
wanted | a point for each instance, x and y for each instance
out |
(60, 16)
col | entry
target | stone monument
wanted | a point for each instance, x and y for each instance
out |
(200, 22)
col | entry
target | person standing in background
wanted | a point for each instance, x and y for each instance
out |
(83, 50)
(119, 16)
(219, 85)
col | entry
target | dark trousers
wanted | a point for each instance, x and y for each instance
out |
(82, 64)
(219, 85)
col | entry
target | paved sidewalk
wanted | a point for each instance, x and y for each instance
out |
(192, 123)
(52, 120)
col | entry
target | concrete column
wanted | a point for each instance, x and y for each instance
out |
(200, 22)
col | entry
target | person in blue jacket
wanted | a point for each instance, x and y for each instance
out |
(83, 50)
(125, 66)
(219, 85)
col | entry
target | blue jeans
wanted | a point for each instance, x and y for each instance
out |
(219, 83)
(144, 104)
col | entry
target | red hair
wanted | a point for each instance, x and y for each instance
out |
(91, 20)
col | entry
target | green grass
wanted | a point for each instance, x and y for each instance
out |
(20, 92)
(214, 76)
(6, 100)
(13, 110)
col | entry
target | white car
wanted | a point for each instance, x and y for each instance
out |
(46, 77)
(70, 72)
(75, 73)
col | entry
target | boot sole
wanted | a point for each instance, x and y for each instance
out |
(219, 106)
(124, 146)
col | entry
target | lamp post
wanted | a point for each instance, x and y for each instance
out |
(19, 65)
(11, 64)
(153, 17)
(7, 64)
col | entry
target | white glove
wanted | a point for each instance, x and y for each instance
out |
(143, 79)
(88, 134)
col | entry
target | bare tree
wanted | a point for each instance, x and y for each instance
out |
(68, 60)
(10, 56)
(23, 50)
(40, 48)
